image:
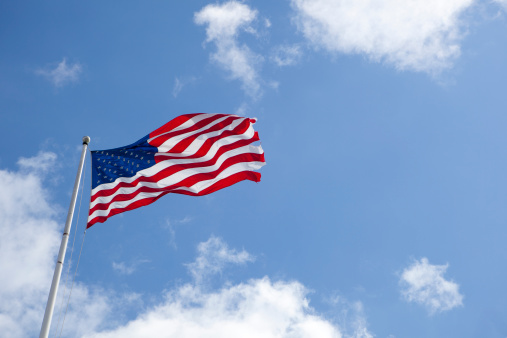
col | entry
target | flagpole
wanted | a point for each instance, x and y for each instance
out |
(48, 315)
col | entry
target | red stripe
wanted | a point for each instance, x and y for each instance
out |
(176, 122)
(183, 144)
(226, 182)
(208, 143)
(157, 142)
(168, 171)
(187, 182)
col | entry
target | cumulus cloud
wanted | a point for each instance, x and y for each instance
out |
(424, 283)
(30, 240)
(419, 35)
(287, 55)
(223, 23)
(62, 74)
(257, 308)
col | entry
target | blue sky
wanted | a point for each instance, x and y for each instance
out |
(381, 210)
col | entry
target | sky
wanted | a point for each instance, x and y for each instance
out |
(381, 211)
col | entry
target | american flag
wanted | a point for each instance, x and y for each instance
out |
(194, 154)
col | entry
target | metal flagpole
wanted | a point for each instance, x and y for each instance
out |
(48, 315)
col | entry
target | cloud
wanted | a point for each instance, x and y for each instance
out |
(257, 308)
(179, 83)
(223, 25)
(29, 243)
(44, 161)
(419, 35)
(63, 74)
(423, 283)
(351, 317)
(286, 55)
(502, 3)
(128, 269)
(171, 226)
(213, 256)
(30, 239)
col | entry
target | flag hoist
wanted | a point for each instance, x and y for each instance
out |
(193, 154)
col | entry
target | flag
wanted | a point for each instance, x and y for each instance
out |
(194, 154)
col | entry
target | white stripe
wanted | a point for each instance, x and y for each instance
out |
(187, 124)
(233, 169)
(196, 188)
(180, 175)
(198, 142)
(123, 204)
(173, 141)
(148, 172)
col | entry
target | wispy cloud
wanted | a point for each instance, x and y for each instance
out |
(351, 317)
(286, 55)
(62, 74)
(128, 269)
(44, 161)
(179, 83)
(171, 225)
(419, 35)
(213, 256)
(502, 2)
(424, 283)
(242, 109)
(223, 23)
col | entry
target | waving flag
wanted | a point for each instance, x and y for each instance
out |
(194, 154)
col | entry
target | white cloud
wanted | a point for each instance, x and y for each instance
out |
(63, 74)
(128, 269)
(258, 308)
(242, 109)
(420, 35)
(351, 317)
(29, 242)
(213, 256)
(286, 55)
(423, 283)
(179, 83)
(224, 23)
(44, 161)
(171, 226)
(30, 238)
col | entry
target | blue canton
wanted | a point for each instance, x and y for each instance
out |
(108, 165)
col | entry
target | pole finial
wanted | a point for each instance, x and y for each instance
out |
(86, 139)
